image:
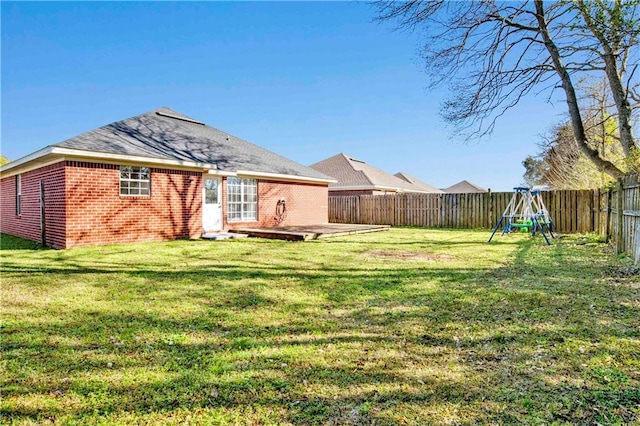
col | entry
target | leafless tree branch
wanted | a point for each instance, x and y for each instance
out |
(491, 54)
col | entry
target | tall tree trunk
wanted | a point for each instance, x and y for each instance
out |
(622, 103)
(572, 99)
(614, 77)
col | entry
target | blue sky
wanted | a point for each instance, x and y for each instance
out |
(306, 80)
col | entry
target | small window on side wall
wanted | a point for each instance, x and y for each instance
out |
(135, 180)
(19, 195)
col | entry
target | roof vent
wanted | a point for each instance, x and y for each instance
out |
(176, 117)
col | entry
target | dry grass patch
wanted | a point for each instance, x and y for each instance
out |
(403, 255)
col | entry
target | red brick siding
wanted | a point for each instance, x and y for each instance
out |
(306, 204)
(98, 214)
(84, 205)
(27, 225)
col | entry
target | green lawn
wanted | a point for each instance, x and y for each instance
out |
(409, 326)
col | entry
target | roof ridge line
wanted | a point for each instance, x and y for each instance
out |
(367, 176)
(185, 118)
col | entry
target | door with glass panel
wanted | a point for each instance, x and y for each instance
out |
(212, 204)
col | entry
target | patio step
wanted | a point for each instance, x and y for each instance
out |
(276, 234)
(222, 236)
(311, 232)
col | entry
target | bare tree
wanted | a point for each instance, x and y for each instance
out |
(561, 165)
(492, 54)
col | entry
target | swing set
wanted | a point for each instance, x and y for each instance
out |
(526, 212)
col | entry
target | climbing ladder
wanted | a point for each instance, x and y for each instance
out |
(525, 212)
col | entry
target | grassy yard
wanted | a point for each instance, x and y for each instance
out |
(409, 326)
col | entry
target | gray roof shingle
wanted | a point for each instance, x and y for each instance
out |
(417, 182)
(356, 174)
(167, 134)
(464, 186)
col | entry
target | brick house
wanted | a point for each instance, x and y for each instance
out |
(464, 186)
(156, 176)
(418, 183)
(355, 177)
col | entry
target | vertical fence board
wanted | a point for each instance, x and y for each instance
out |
(613, 213)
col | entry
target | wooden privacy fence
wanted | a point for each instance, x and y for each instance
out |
(623, 222)
(572, 211)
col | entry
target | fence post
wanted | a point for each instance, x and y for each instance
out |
(620, 223)
(608, 217)
(595, 211)
(489, 209)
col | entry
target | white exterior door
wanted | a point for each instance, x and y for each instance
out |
(212, 204)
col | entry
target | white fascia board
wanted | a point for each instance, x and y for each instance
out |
(41, 162)
(278, 176)
(221, 173)
(60, 153)
(27, 158)
(129, 158)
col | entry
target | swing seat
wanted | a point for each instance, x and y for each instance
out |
(526, 214)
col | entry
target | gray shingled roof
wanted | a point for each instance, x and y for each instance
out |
(167, 134)
(418, 183)
(464, 186)
(356, 174)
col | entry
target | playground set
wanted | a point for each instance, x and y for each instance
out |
(526, 212)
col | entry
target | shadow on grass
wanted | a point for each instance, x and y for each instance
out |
(516, 344)
(9, 242)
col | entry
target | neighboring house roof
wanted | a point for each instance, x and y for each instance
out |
(463, 186)
(165, 136)
(418, 183)
(355, 175)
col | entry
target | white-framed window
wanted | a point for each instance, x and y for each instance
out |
(18, 195)
(135, 180)
(242, 199)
